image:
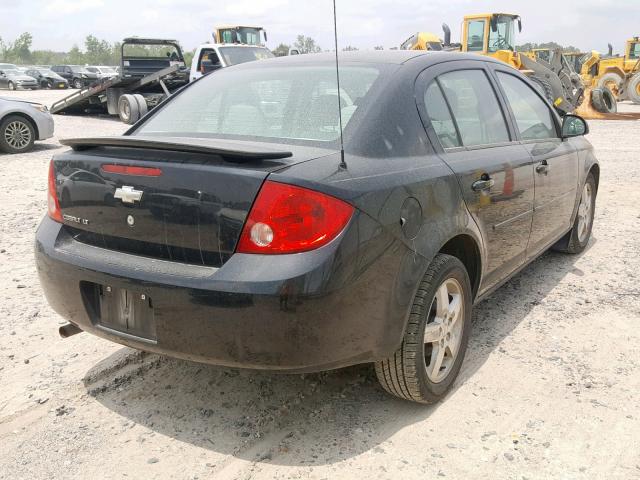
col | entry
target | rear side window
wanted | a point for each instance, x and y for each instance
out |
(440, 116)
(533, 116)
(475, 107)
(475, 36)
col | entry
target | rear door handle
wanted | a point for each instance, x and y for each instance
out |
(543, 168)
(484, 184)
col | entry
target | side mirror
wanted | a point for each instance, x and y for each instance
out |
(294, 52)
(574, 126)
(519, 25)
(265, 36)
(2, 74)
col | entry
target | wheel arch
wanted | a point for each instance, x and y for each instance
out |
(595, 171)
(466, 249)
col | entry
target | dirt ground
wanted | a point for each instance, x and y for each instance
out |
(549, 388)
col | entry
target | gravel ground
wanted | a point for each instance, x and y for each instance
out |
(549, 388)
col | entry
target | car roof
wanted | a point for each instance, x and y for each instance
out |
(397, 57)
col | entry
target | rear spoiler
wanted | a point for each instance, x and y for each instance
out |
(230, 150)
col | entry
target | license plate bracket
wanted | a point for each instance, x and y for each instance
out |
(127, 311)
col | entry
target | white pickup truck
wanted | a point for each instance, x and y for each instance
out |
(212, 56)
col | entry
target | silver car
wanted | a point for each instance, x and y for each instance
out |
(22, 123)
(13, 79)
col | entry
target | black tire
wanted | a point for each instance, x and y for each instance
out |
(16, 144)
(575, 242)
(633, 89)
(128, 109)
(603, 100)
(77, 83)
(405, 373)
(11, 86)
(142, 105)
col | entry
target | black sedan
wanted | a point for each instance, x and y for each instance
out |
(230, 226)
(47, 78)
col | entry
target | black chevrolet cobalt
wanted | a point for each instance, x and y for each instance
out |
(228, 227)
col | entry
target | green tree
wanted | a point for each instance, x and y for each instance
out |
(75, 56)
(350, 48)
(98, 52)
(281, 50)
(306, 45)
(378, 47)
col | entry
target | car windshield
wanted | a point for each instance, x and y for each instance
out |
(107, 70)
(237, 55)
(286, 104)
(46, 72)
(12, 72)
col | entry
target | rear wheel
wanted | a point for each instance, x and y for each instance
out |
(11, 86)
(633, 91)
(577, 239)
(612, 81)
(142, 105)
(128, 109)
(435, 341)
(16, 134)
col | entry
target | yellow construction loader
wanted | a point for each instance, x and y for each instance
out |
(493, 34)
(247, 35)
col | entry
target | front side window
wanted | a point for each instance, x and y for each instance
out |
(440, 116)
(634, 51)
(273, 103)
(475, 107)
(475, 35)
(533, 116)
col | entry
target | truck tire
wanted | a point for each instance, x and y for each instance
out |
(611, 80)
(142, 104)
(603, 100)
(633, 90)
(427, 362)
(128, 110)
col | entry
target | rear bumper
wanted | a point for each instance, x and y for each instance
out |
(307, 312)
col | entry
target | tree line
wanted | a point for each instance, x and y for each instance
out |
(102, 52)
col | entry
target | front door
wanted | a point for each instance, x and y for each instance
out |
(495, 172)
(555, 161)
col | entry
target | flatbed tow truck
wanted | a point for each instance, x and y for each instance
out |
(150, 71)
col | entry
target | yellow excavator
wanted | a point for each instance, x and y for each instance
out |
(493, 34)
(247, 35)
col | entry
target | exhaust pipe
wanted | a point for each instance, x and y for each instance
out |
(68, 330)
(447, 34)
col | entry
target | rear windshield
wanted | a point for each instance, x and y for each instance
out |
(237, 55)
(299, 104)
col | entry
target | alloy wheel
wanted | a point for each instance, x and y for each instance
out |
(17, 135)
(584, 212)
(443, 331)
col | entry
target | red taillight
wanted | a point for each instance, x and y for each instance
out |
(288, 219)
(53, 204)
(131, 170)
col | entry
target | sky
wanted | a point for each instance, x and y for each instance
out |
(58, 24)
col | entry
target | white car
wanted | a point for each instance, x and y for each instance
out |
(103, 72)
(212, 56)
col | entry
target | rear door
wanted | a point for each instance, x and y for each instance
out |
(467, 119)
(555, 161)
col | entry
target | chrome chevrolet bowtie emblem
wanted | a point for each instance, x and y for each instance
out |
(128, 194)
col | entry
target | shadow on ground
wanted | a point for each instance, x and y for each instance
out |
(297, 419)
